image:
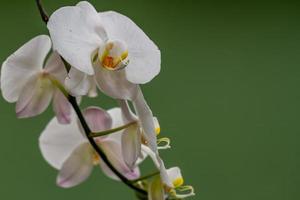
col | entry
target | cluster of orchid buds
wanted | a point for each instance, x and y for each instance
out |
(88, 52)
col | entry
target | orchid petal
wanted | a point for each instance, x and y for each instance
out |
(97, 119)
(76, 33)
(116, 115)
(158, 162)
(35, 97)
(113, 152)
(131, 145)
(146, 119)
(127, 114)
(77, 168)
(131, 137)
(77, 82)
(115, 84)
(19, 68)
(93, 92)
(56, 67)
(58, 141)
(156, 125)
(117, 121)
(144, 55)
(175, 176)
(163, 173)
(146, 151)
(61, 107)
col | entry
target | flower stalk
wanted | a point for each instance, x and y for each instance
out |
(43, 12)
(146, 177)
(107, 132)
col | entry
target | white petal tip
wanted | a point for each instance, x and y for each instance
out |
(63, 184)
(25, 114)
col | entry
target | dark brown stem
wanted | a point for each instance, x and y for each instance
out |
(43, 12)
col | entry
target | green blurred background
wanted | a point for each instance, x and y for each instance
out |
(228, 97)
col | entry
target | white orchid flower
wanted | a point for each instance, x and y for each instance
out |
(159, 191)
(66, 148)
(26, 81)
(170, 182)
(111, 48)
(108, 45)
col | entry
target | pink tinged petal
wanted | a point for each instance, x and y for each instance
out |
(146, 120)
(35, 97)
(131, 145)
(132, 174)
(114, 153)
(115, 84)
(61, 107)
(144, 55)
(97, 119)
(56, 67)
(78, 83)
(22, 65)
(76, 32)
(58, 141)
(77, 168)
(156, 189)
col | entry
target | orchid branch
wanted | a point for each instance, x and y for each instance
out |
(146, 177)
(43, 12)
(45, 19)
(107, 132)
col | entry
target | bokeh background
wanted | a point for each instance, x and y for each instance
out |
(228, 97)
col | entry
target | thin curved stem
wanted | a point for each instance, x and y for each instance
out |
(107, 132)
(43, 12)
(88, 132)
(59, 86)
(146, 177)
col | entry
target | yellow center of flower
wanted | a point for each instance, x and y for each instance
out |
(113, 55)
(156, 125)
(157, 130)
(178, 182)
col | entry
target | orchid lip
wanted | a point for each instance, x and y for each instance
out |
(113, 55)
